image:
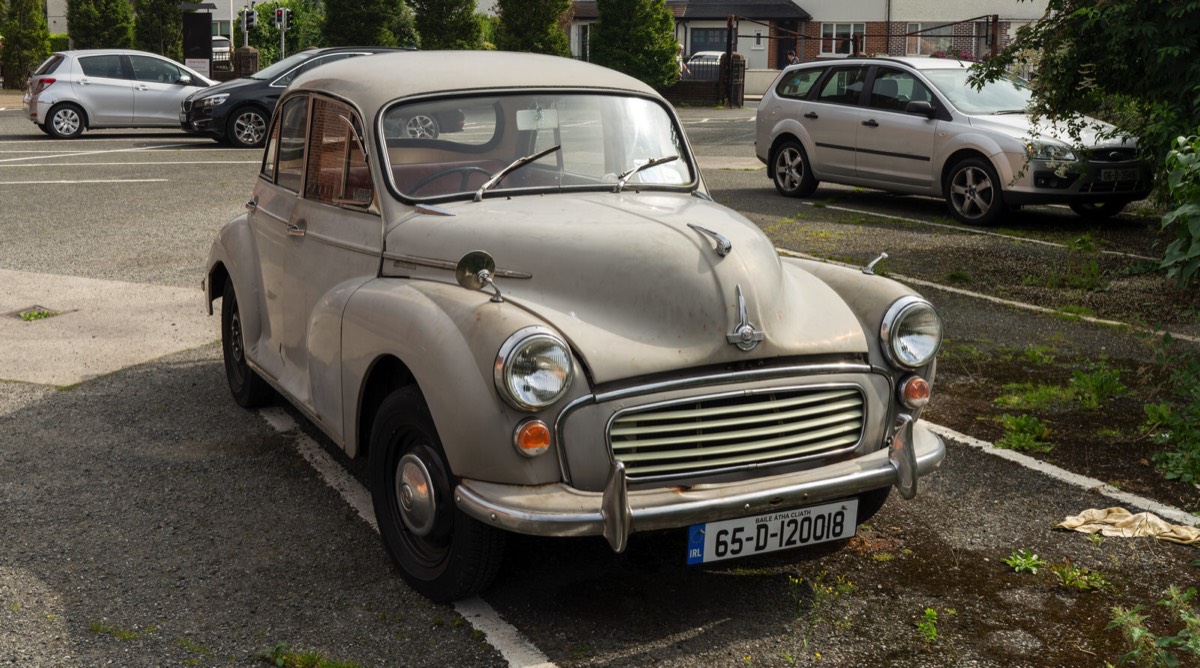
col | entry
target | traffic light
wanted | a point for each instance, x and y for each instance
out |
(283, 17)
(249, 18)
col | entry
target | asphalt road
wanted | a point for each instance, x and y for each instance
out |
(145, 520)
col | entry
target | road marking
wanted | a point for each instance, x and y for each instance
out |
(73, 154)
(78, 181)
(147, 162)
(1083, 482)
(997, 300)
(519, 652)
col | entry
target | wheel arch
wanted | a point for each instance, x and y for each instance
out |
(780, 139)
(384, 376)
(957, 157)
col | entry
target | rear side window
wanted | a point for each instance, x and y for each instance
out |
(49, 65)
(797, 83)
(337, 167)
(108, 67)
(844, 85)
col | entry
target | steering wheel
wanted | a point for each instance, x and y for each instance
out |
(465, 170)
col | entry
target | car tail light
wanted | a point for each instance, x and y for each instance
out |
(43, 84)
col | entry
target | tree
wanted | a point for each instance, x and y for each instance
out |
(26, 41)
(637, 37)
(100, 24)
(448, 24)
(536, 26)
(306, 29)
(1133, 63)
(369, 23)
(158, 27)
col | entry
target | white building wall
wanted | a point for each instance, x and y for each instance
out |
(941, 10)
(844, 11)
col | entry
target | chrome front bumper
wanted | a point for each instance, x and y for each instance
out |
(560, 510)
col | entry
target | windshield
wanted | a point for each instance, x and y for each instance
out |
(282, 66)
(449, 148)
(1008, 95)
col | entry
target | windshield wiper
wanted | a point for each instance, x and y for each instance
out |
(624, 176)
(513, 166)
(1006, 112)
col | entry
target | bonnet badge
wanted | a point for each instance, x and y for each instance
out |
(744, 335)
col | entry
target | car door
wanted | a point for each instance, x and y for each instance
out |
(105, 90)
(158, 91)
(335, 246)
(892, 145)
(270, 214)
(833, 118)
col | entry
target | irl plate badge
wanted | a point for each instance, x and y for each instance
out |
(744, 335)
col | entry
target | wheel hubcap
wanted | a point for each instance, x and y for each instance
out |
(972, 192)
(414, 492)
(66, 122)
(789, 168)
(422, 127)
(235, 337)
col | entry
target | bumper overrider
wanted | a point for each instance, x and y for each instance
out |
(560, 510)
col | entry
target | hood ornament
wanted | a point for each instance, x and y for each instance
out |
(744, 335)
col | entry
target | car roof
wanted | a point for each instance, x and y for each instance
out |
(385, 77)
(915, 62)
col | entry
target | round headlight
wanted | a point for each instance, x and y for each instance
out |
(911, 332)
(533, 369)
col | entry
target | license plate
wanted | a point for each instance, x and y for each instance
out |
(769, 532)
(1118, 175)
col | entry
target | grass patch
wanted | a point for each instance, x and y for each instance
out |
(36, 313)
(1024, 433)
(1027, 396)
(283, 656)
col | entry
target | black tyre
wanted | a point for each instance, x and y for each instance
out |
(790, 170)
(1098, 210)
(871, 503)
(973, 192)
(247, 127)
(65, 121)
(249, 390)
(441, 552)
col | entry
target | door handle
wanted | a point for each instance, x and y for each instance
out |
(811, 114)
(252, 204)
(871, 123)
(143, 87)
(295, 229)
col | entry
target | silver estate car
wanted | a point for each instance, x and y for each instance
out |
(107, 88)
(916, 126)
(543, 324)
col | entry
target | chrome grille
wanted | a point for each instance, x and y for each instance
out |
(742, 430)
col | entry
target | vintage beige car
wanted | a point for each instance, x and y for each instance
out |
(543, 324)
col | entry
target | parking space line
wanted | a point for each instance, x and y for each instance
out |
(515, 648)
(79, 181)
(72, 154)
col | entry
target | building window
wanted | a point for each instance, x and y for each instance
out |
(928, 39)
(758, 40)
(708, 39)
(839, 38)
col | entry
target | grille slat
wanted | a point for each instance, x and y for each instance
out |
(742, 430)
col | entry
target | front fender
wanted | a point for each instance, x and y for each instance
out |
(233, 254)
(448, 338)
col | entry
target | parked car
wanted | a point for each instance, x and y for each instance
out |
(107, 88)
(706, 65)
(236, 112)
(543, 324)
(222, 53)
(916, 126)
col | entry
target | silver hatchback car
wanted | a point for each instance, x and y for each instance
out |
(107, 88)
(916, 126)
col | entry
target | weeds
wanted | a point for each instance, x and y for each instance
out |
(1024, 433)
(1076, 577)
(1027, 396)
(283, 656)
(1024, 561)
(1148, 649)
(927, 627)
(1175, 421)
(101, 628)
(37, 313)
(1096, 388)
(1039, 355)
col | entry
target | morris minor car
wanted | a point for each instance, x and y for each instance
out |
(543, 324)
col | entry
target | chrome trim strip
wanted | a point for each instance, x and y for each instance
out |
(449, 265)
(354, 248)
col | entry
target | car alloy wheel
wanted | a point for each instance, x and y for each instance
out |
(790, 171)
(422, 127)
(66, 121)
(248, 128)
(973, 193)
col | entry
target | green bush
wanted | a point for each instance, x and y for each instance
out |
(1182, 258)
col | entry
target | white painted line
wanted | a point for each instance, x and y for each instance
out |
(998, 300)
(73, 154)
(78, 181)
(969, 230)
(519, 652)
(126, 164)
(1091, 484)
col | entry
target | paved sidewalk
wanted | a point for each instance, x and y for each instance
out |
(101, 326)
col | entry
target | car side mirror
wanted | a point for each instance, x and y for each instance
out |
(920, 108)
(184, 80)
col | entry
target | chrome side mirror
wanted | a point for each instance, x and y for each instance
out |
(475, 271)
